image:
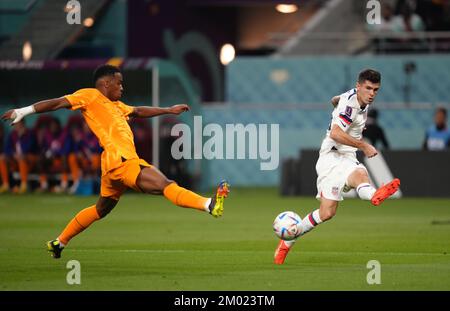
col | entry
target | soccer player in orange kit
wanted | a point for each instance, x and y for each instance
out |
(121, 167)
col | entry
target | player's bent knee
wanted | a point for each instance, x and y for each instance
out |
(361, 173)
(102, 211)
(161, 184)
(165, 183)
(104, 206)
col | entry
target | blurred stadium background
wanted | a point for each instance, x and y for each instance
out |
(287, 67)
(285, 64)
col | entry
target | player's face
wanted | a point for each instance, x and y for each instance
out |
(367, 91)
(115, 87)
(439, 118)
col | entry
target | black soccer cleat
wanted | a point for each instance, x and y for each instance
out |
(55, 248)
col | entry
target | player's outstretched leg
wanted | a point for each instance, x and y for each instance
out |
(326, 211)
(385, 192)
(186, 198)
(153, 181)
(79, 223)
(281, 251)
(308, 223)
(359, 180)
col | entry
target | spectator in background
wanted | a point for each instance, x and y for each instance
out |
(4, 187)
(408, 22)
(83, 153)
(387, 17)
(373, 131)
(437, 137)
(21, 153)
(90, 153)
(381, 42)
(71, 149)
(41, 130)
(48, 132)
(55, 153)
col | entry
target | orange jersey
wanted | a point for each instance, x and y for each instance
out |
(108, 121)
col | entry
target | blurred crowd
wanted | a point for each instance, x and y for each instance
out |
(409, 17)
(59, 157)
(51, 157)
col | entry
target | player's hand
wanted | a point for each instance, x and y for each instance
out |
(11, 115)
(177, 109)
(369, 150)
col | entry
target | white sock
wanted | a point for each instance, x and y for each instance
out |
(208, 202)
(61, 243)
(365, 191)
(308, 223)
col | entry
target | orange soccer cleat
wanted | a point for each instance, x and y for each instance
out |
(216, 205)
(385, 192)
(281, 253)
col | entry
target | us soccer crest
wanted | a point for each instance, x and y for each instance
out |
(335, 191)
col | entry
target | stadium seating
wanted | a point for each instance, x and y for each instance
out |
(312, 80)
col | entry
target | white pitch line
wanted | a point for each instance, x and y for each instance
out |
(254, 251)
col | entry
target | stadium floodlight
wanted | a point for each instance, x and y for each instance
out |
(27, 51)
(227, 54)
(286, 8)
(88, 22)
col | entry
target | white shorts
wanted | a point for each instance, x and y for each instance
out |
(333, 169)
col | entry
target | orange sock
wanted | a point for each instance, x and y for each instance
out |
(74, 167)
(185, 198)
(23, 171)
(64, 180)
(4, 172)
(43, 181)
(80, 222)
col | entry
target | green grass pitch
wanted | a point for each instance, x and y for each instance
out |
(146, 243)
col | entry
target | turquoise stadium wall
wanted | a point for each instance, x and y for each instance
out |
(295, 94)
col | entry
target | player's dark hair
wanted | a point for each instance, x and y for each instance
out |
(105, 70)
(369, 75)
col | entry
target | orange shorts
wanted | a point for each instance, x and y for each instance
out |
(116, 181)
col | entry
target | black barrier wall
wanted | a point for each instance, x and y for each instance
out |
(422, 173)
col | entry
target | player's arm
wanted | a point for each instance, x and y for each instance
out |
(341, 137)
(43, 106)
(335, 101)
(148, 112)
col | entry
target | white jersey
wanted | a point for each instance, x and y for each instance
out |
(349, 116)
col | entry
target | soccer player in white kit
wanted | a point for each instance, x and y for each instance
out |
(338, 169)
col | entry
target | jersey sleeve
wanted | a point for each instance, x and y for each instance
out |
(125, 109)
(81, 98)
(344, 114)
